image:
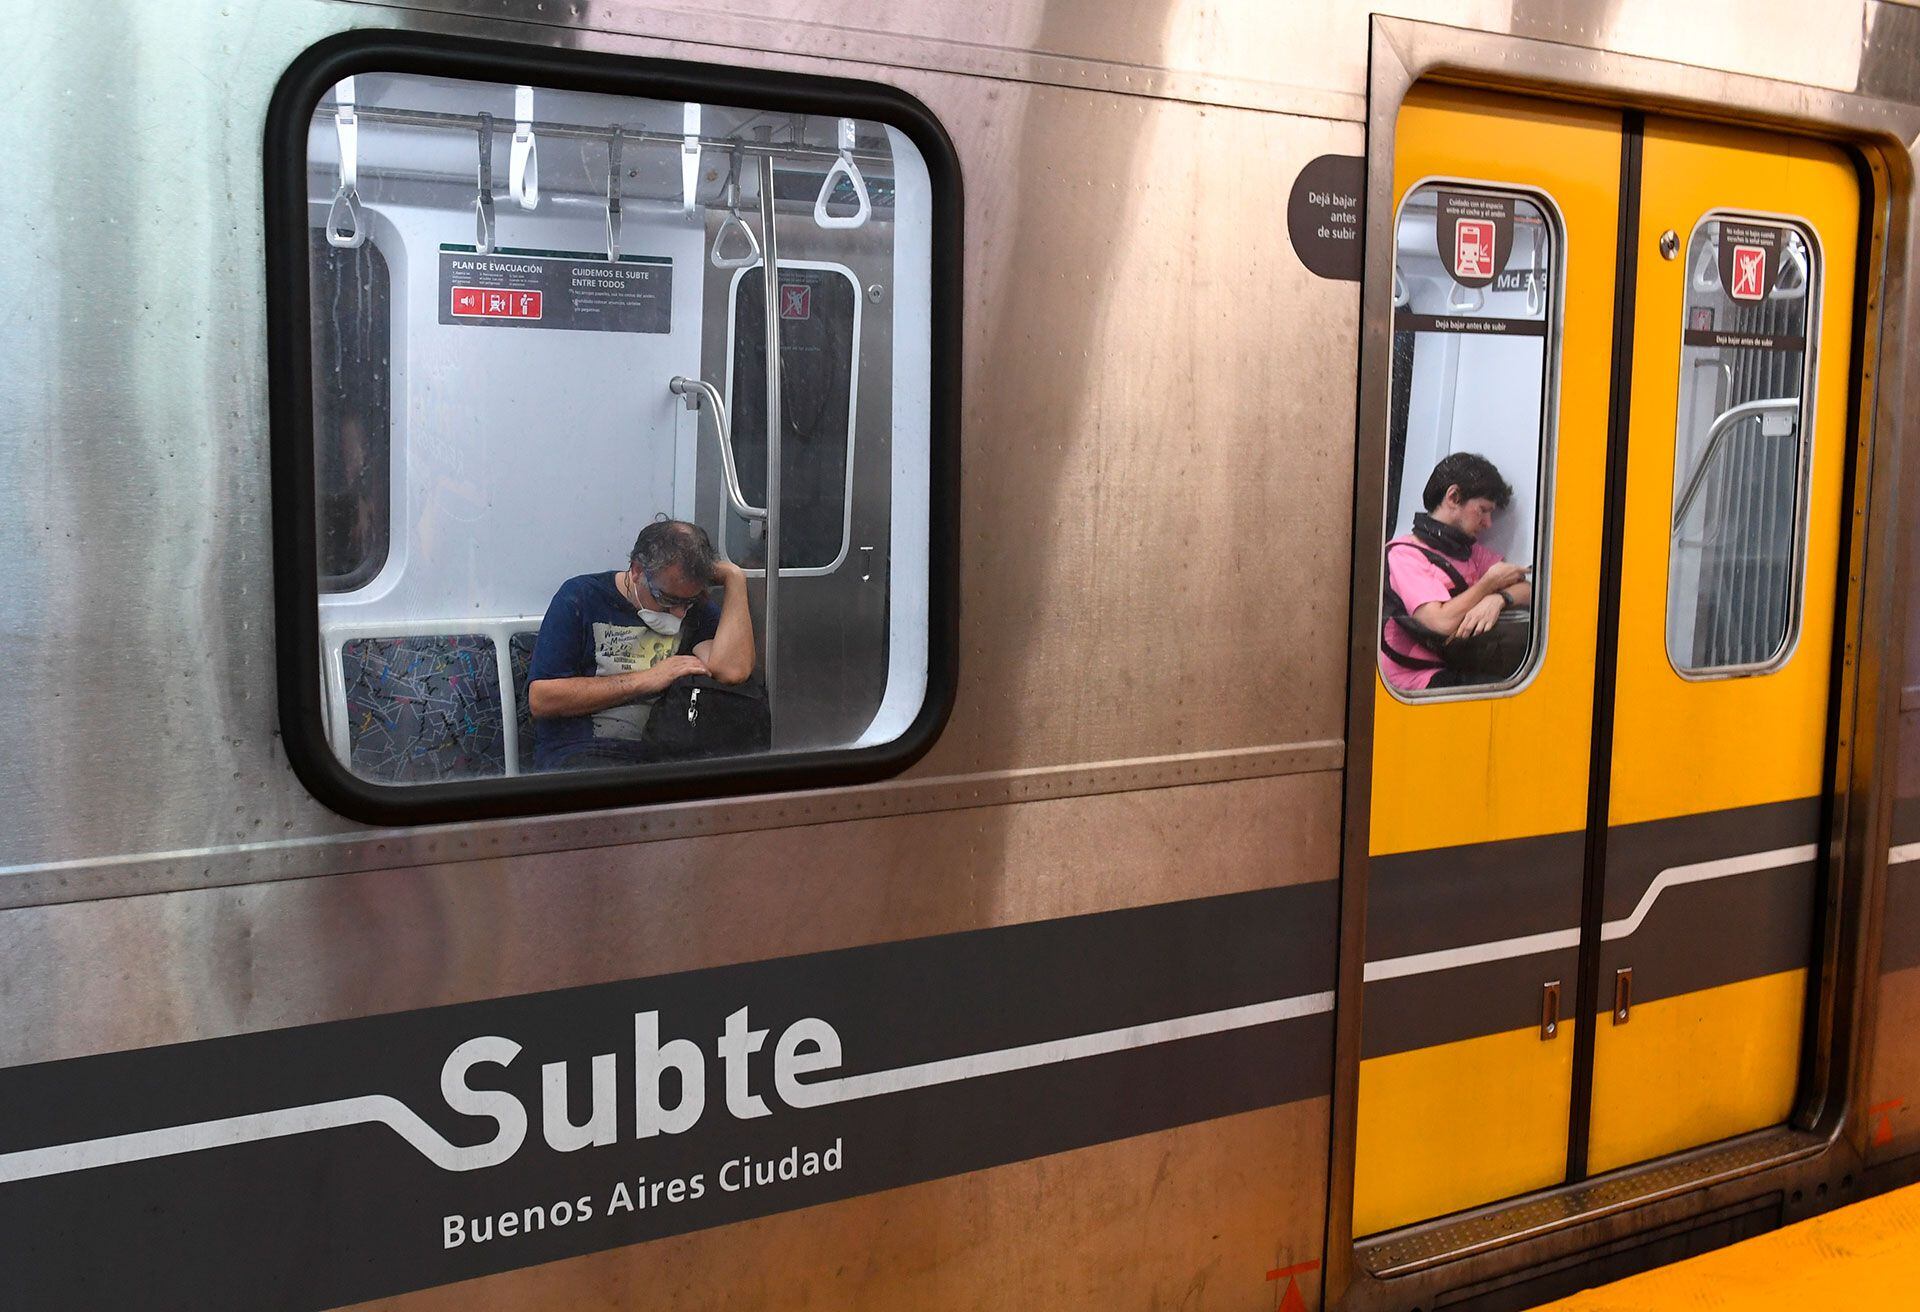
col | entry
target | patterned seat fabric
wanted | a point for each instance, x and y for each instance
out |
(520, 655)
(423, 709)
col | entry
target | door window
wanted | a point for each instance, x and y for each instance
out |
(1741, 447)
(1468, 458)
(819, 350)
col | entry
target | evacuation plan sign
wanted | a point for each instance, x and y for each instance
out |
(511, 288)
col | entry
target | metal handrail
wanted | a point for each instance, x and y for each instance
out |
(483, 190)
(614, 183)
(770, 274)
(585, 132)
(1721, 427)
(692, 389)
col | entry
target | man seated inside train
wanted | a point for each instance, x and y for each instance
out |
(613, 642)
(1442, 578)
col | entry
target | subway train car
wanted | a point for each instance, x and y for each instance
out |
(721, 655)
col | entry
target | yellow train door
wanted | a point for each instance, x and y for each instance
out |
(1729, 581)
(1480, 794)
(1619, 393)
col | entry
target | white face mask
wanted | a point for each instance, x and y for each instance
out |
(667, 626)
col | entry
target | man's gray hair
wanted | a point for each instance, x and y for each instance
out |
(674, 542)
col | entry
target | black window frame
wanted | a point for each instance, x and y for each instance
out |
(290, 400)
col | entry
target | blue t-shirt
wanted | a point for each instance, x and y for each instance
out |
(591, 629)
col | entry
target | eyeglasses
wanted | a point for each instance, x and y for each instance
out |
(667, 598)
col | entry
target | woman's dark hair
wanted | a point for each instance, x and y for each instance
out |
(1474, 475)
(674, 542)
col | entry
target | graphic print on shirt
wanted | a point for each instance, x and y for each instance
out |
(621, 649)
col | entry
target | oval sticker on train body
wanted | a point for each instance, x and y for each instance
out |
(1324, 215)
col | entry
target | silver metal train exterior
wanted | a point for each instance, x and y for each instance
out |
(1156, 652)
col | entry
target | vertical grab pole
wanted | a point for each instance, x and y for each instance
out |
(770, 264)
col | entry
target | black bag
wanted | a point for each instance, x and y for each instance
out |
(1487, 657)
(698, 716)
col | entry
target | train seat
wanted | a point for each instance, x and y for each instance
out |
(422, 709)
(520, 657)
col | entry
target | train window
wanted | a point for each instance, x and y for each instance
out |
(558, 552)
(352, 461)
(1742, 447)
(1476, 295)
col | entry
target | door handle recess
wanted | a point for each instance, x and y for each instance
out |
(1549, 1010)
(1622, 994)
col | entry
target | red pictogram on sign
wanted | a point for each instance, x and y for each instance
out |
(1291, 1300)
(1749, 273)
(796, 301)
(1472, 248)
(490, 303)
(1881, 1117)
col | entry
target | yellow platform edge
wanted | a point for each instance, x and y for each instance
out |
(1863, 1258)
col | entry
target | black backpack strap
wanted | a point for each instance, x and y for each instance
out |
(1410, 661)
(1454, 576)
(1396, 609)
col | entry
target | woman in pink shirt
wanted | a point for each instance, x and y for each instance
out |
(1443, 579)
